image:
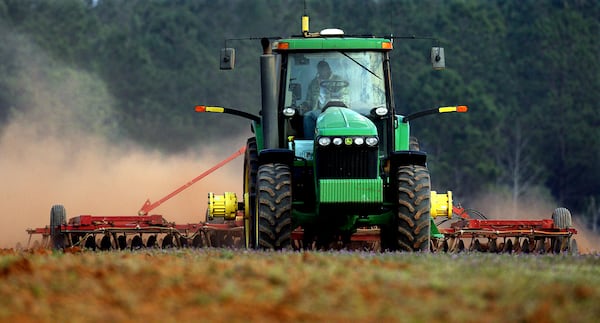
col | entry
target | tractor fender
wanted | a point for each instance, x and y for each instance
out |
(276, 155)
(407, 157)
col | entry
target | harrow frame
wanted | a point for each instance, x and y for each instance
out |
(517, 235)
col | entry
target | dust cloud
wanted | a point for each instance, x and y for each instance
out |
(533, 207)
(58, 147)
(501, 206)
(94, 178)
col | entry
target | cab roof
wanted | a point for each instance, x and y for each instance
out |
(333, 43)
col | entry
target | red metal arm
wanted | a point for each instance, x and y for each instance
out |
(148, 206)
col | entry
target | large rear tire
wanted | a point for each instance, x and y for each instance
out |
(58, 217)
(412, 221)
(274, 206)
(250, 171)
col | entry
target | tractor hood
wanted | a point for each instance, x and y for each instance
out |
(336, 121)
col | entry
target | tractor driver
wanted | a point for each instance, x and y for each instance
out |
(320, 91)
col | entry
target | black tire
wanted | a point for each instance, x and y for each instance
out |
(250, 172)
(562, 218)
(274, 206)
(58, 217)
(412, 221)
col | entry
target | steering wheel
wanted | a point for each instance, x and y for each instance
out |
(334, 85)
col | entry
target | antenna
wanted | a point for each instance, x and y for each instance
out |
(392, 18)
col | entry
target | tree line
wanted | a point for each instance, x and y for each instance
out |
(527, 69)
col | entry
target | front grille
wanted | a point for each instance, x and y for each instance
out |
(346, 162)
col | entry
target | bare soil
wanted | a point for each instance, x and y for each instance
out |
(221, 285)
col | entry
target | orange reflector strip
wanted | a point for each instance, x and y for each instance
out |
(283, 45)
(386, 45)
(200, 108)
(462, 108)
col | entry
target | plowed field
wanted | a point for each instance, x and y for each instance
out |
(219, 285)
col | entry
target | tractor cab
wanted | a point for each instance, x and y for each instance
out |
(335, 91)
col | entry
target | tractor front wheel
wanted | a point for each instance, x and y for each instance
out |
(412, 220)
(274, 206)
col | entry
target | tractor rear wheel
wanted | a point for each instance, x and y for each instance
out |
(274, 206)
(58, 217)
(412, 221)
(250, 170)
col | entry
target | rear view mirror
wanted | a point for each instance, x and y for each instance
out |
(227, 58)
(437, 58)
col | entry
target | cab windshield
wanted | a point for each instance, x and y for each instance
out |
(351, 79)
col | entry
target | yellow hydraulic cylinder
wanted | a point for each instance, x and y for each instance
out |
(222, 206)
(441, 204)
(305, 25)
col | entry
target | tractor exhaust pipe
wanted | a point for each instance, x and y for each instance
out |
(268, 82)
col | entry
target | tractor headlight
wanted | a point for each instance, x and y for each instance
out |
(381, 111)
(337, 141)
(289, 112)
(324, 141)
(371, 141)
(359, 141)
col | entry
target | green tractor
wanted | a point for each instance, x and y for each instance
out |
(330, 156)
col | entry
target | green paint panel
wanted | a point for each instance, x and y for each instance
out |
(258, 133)
(435, 232)
(341, 121)
(402, 134)
(324, 43)
(351, 190)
